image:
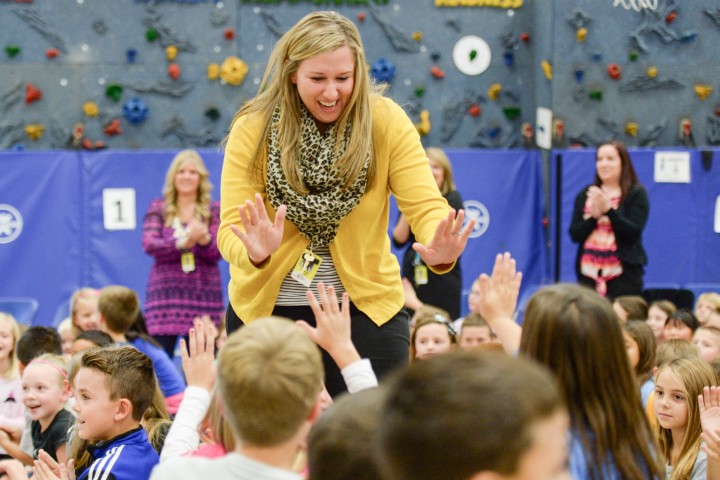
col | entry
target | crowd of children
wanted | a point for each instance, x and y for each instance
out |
(98, 398)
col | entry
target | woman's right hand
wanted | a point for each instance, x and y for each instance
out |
(261, 236)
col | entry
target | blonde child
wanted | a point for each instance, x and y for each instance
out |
(706, 303)
(677, 387)
(707, 339)
(658, 314)
(84, 309)
(67, 336)
(640, 345)
(475, 331)
(432, 336)
(45, 390)
(12, 413)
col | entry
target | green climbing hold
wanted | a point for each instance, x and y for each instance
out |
(511, 113)
(595, 95)
(151, 34)
(212, 113)
(114, 91)
(633, 55)
(419, 91)
(12, 50)
(473, 54)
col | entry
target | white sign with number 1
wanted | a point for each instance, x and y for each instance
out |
(119, 208)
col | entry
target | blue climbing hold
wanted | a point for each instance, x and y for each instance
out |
(382, 70)
(135, 110)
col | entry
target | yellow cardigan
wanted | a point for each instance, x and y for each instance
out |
(361, 249)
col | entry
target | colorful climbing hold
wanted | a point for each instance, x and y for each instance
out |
(508, 58)
(90, 109)
(595, 95)
(581, 34)
(703, 91)
(652, 72)
(112, 128)
(131, 55)
(213, 71)
(34, 131)
(547, 69)
(32, 93)
(361, 17)
(579, 75)
(419, 91)
(717, 111)
(475, 110)
(114, 91)
(135, 110)
(613, 70)
(525, 37)
(633, 55)
(511, 112)
(171, 52)
(423, 126)
(494, 91)
(174, 71)
(382, 70)
(233, 70)
(436, 72)
(52, 53)
(151, 34)
(670, 17)
(631, 128)
(417, 36)
(12, 50)
(229, 33)
(213, 113)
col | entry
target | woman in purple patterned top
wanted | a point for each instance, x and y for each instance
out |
(180, 232)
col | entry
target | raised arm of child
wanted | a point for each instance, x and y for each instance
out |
(332, 334)
(198, 361)
(709, 403)
(498, 299)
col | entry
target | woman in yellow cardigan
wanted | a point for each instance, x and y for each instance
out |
(309, 166)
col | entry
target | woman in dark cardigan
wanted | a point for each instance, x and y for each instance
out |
(607, 224)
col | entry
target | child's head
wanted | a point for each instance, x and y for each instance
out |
(681, 324)
(425, 312)
(707, 339)
(713, 319)
(67, 335)
(658, 314)
(675, 348)
(215, 426)
(113, 389)
(270, 375)
(475, 331)
(630, 307)
(35, 341)
(90, 339)
(677, 387)
(474, 297)
(45, 388)
(706, 303)
(640, 345)
(84, 309)
(457, 415)
(119, 308)
(340, 444)
(432, 336)
(9, 336)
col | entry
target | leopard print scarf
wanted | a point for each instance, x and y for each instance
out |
(317, 215)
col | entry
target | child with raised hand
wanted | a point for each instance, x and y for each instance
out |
(658, 314)
(84, 309)
(678, 386)
(45, 391)
(12, 413)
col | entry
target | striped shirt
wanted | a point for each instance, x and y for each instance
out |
(293, 293)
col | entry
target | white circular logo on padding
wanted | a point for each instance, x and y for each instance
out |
(472, 55)
(478, 211)
(11, 223)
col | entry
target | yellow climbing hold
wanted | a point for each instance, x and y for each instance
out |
(703, 91)
(652, 72)
(90, 109)
(547, 69)
(423, 126)
(581, 34)
(213, 71)
(233, 70)
(494, 91)
(34, 131)
(631, 128)
(417, 36)
(171, 52)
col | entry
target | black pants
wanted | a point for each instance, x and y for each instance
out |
(629, 283)
(387, 346)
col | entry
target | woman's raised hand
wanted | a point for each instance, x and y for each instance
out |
(449, 240)
(261, 235)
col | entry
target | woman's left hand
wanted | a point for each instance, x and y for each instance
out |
(449, 240)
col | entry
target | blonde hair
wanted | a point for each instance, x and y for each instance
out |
(710, 297)
(270, 376)
(438, 156)
(85, 294)
(12, 368)
(220, 430)
(202, 200)
(315, 34)
(54, 361)
(156, 420)
(693, 374)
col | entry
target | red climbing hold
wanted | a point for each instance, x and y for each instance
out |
(113, 128)
(174, 71)
(32, 93)
(436, 72)
(52, 53)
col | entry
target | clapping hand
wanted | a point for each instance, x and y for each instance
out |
(448, 242)
(261, 236)
(599, 201)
